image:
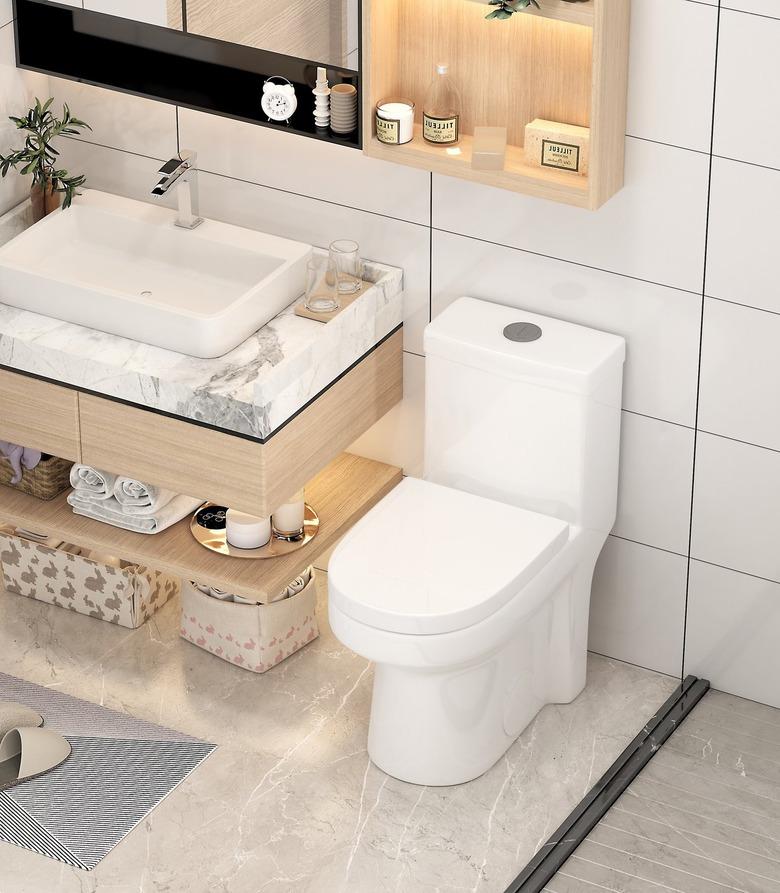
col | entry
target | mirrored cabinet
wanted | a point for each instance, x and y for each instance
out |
(323, 31)
(218, 56)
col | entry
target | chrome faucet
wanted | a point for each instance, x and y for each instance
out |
(184, 172)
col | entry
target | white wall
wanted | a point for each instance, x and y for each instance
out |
(637, 267)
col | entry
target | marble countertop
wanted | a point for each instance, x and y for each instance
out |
(252, 390)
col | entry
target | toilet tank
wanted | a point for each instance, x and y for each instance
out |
(524, 409)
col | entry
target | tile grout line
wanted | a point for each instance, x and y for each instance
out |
(701, 346)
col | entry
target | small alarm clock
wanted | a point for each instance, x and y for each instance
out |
(279, 101)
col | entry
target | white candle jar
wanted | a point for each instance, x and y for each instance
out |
(246, 531)
(394, 121)
(288, 519)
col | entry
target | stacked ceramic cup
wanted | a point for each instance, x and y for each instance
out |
(343, 108)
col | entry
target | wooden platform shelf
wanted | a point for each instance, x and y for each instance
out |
(342, 493)
(567, 62)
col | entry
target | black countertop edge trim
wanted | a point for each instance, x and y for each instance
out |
(588, 813)
(198, 422)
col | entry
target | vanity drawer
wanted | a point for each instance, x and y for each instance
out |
(40, 415)
(170, 453)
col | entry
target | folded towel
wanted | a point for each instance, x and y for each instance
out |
(92, 483)
(110, 512)
(138, 498)
(20, 457)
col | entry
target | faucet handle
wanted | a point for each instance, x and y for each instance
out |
(170, 166)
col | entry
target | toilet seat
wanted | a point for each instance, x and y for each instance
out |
(430, 559)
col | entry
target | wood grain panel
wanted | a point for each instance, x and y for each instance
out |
(40, 415)
(231, 470)
(171, 453)
(341, 493)
(334, 421)
(507, 72)
(610, 89)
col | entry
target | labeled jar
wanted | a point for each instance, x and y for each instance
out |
(394, 121)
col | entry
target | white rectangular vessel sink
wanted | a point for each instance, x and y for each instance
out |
(123, 267)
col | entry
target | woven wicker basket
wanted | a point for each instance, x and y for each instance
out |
(48, 479)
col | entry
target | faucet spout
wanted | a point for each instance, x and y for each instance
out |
(184, 172)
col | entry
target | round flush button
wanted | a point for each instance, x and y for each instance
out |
(522, 331)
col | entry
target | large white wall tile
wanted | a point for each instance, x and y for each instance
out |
(757, 7)
(747, 124)
(6, 12)
(742, 247)
(740, 373)
(732, 633)
(660, 325)
(319, 169)
(18, 90)
(397, 438)
(656, 468)
(653, 229)
(637, 609)
(736, 519)
(120, 120)
(671, 72)
(111, 170)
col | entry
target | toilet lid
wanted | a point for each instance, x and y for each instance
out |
(429, 559)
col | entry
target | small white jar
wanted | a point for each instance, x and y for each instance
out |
(247, 531)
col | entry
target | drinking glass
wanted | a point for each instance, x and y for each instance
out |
(345, 254)
(322, 293)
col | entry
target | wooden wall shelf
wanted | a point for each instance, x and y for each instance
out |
(342, 493)
(567, 62)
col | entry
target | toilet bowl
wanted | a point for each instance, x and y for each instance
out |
(470, 589)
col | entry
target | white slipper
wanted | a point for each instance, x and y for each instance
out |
(17, 716)
(27, 753)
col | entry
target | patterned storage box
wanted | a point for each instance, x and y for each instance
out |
(121, 593)
(255, 637)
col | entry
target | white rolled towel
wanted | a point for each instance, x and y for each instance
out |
(92, 484)
(139, 498)
(111, 512)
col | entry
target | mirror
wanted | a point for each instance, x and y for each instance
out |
(323, 31)
(166, 13)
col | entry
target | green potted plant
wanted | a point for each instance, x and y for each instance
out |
(507, 8)
(38, 157)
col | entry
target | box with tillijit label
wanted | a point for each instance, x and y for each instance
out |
(562, 146)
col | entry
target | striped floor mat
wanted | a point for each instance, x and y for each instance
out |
(120, 769)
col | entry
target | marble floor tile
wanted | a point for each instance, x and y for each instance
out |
(290, 801)
(703, 816)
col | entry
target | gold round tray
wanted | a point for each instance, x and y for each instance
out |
(208, 528)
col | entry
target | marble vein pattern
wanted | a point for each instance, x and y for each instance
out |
(290, 801)
(251, 390)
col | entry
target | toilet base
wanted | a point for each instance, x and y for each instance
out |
(449, 725)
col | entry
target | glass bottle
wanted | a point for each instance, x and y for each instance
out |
(441, 111)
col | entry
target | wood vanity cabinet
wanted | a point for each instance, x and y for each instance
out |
(201, 461)
(39, 415)
(215, 465)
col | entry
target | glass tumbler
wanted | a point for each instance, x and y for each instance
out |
(345, 254)
(322, 293)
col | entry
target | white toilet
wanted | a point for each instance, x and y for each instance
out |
(470, 589)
